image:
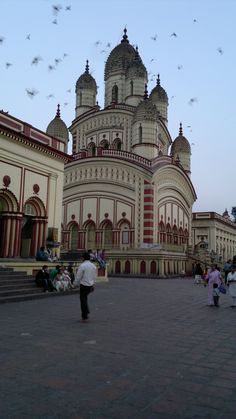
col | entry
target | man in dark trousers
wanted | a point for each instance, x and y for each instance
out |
(42, 279)
(85, 278)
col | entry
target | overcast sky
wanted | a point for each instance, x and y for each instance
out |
(191, 43)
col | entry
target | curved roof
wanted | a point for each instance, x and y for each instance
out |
(146, 110)
(57, 128)
(120, 57)
(180, 144)
(136, 68)
(158, 93)
(86, 81)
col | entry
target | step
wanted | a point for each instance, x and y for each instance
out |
(17, 282)
(18, 291)
(10, 275)
(27, 297)
(13, 287)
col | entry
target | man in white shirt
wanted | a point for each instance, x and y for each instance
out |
(86, 277)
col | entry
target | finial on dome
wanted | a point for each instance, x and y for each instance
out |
(58, 114)
(158, 80)
(125, 37)
(145, 96)
(87, 67)
(180, 129)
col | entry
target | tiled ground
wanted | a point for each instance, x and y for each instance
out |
(152, 349)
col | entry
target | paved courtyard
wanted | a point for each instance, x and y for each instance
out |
(152, 349)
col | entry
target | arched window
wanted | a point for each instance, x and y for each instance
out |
(107, 235)
(162, 232)
(175, 234)
(131, 87)
(114, 94)
(91, 235)
(104, 144)
(117, 144)
(92, 149)
(169, 233)
(140, 133)
(74, 237)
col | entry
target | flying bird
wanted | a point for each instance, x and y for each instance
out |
(8, 65)
(28, 37)
(36, 60)
(97, 43)
(31, 92)
(192, 143)
(174, 34)
(65, 55)
(108, 45)
(151, 60)
(69, 90)
(1, 39)
(194, 20)
(188, 126)
(220, 50)
(192, 100)
(57, 60)
(103, 51)
(54, 22)
(66, 103)
(56, 8)
(154, 38)
(50, 96)
(68, 8)
(180, 67)
(51, 67)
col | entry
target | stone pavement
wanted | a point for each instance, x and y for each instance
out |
(152, 349)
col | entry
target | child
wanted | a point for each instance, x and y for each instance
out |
(216, 295)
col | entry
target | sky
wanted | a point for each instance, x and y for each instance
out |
(190, 43)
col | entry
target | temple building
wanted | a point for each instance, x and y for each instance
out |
(127, 188)
(31, 176)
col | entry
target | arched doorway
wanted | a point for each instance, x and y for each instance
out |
(10, 220)
(153, 267)
(117, 267)
(90, 236)
(127, 267)
(74, 236)
(33, 228)
(143, 267)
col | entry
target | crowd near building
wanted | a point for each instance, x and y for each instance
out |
(125, 188)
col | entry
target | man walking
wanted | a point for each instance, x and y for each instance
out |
(86, 277)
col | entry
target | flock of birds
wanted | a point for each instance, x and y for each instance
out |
(103, 49)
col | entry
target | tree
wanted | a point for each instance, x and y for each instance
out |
(233, 212)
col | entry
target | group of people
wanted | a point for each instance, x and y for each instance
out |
(63, 279)
(45, 255)
(57, 279)
(215, 283)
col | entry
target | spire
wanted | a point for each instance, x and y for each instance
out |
(136, 53)
(180, 129)
(158, 80)
(125, 37)
(87, 67)
(58, 114)
(145, 96)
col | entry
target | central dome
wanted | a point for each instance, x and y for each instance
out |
(120, 57)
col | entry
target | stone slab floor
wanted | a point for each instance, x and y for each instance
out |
(151, 349)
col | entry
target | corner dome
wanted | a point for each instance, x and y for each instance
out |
(86, 81)
(57, 128)
(120, 57)
(136, 68)
(158, 93)
(146, 110)
(180, 144)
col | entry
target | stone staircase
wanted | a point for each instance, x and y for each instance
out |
(18, 286)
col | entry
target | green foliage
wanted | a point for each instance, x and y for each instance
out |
(233, 212)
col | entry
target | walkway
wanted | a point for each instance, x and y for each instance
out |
(152, 350)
